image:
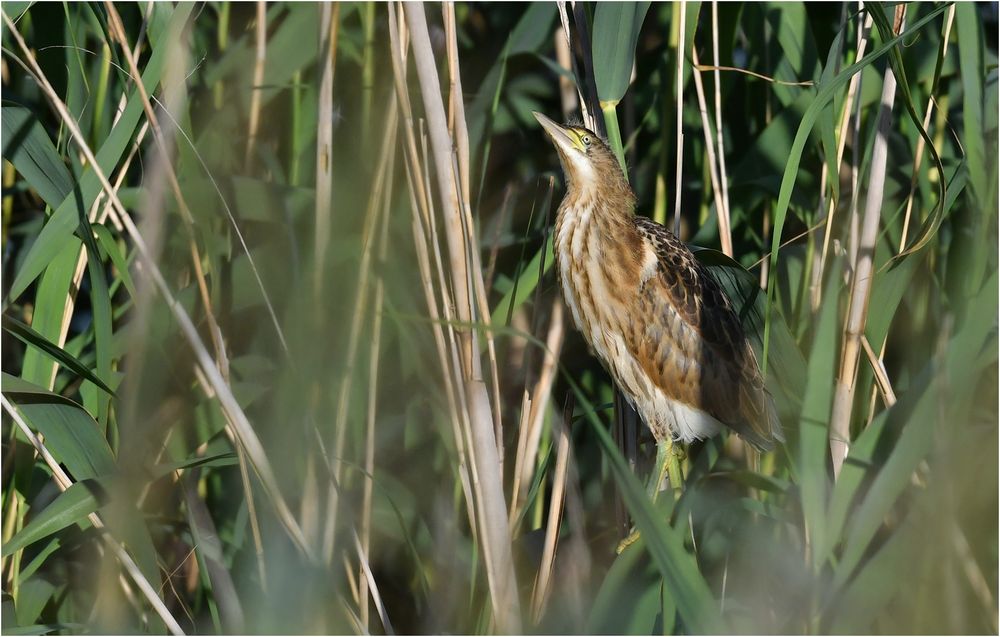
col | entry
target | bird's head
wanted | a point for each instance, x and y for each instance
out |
(587, 161)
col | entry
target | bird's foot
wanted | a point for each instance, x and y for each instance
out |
(632, 538)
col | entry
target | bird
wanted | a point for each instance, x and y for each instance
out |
(653, 314)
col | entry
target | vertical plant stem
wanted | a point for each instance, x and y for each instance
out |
(258, 80)
(539, 401)
(367, 72)
(553, 524)
(494, 532)
(373, 357)
(381, 192)
(725, 236)
(222, 41)
(609, 110)
(816, 297)
(723, 173)
(863, 273)
(568, 95)
(679, 90)
(329, 22)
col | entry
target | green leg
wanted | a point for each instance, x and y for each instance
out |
(661, 469)
(668, 457)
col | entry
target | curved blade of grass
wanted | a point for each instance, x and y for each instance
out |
(110, 247)
(71, 434)
(523, 287)
(812, 113)
(681, 576)
(29, 336)
(933, 220)
(28, 147)
(71, 506)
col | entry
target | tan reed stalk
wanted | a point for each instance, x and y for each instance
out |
(863, 272)
(679, 87)
(490, 501)
(329, 23)
(721, 156)
(588, 117)
(373, 357)
(381, 191)
(725, 235)
(543, 581)
(427, 246)
(816, 285)
(260, 59)
(460, 132)
(540, 400)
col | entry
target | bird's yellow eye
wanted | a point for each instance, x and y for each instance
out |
(586, 140)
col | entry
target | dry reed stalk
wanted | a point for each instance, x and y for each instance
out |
(374, 215)
(260, 60)
(376, 338)
(368, 581)
(540, 401)
(725, 235)
(523, 431)
(679, 87)
(863, 273)
(425, 238)
(64, 482)
(558, 495)
(460, 133)
(918, 159)
(223, 392)
(329, 23)
(814, 266)
(487, 480)
(453, 360)
(881, 376)
(723, 173)
(816, 284)
(567, 96)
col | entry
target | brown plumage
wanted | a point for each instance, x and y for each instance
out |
(649, 309)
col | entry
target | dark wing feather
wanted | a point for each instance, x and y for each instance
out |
(692, 345)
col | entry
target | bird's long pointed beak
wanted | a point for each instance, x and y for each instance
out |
(555, 131)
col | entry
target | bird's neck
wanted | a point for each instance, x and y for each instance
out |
(605, 204)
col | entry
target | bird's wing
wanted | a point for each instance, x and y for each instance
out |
(690, 342)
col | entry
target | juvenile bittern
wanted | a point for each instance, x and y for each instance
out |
(653, 314)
